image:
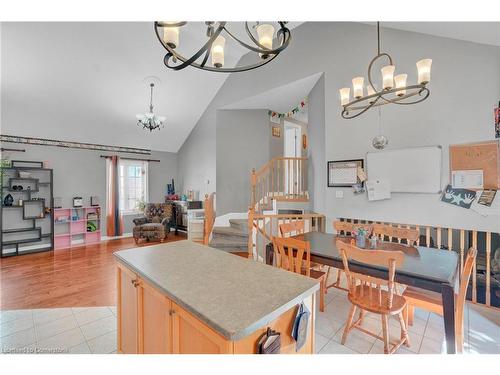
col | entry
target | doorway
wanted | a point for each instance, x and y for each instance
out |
(293, 134)
(291, 149)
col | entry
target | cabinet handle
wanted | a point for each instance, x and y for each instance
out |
(135, 283)
(171, 312)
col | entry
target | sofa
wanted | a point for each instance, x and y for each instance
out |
(155, 224)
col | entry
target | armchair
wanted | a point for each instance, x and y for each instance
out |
(155, 224)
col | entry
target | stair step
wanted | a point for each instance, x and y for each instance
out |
(239, 224)
(229, 245)
(228, 232)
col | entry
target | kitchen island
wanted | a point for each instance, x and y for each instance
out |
(183, 297)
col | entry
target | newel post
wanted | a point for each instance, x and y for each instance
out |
(253, 182)
(251, 213)
(206, 222)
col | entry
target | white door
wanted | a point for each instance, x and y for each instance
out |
(291, 150)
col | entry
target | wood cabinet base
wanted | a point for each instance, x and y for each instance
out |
(150, 323)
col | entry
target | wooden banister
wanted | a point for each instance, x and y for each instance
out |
(263, 227)
(208, 224)
(280, 178)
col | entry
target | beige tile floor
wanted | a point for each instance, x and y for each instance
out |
(63, 330)
(93, 330)
(481, 326)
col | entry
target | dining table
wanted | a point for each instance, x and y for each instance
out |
(423, 267)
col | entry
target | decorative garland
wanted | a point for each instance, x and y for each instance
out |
(69, 144)
(295, 110)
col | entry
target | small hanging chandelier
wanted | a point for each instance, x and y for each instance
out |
(261, 44)
(149, 120)
(394, 88)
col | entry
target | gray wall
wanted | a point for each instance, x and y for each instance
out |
(316, 147)
(83, 173)
(464, 88)
(242, 139)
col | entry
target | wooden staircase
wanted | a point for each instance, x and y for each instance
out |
(281, 179)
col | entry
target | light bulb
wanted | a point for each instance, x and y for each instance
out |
(344, 95)
(218, 51)
(266, 35)
(171, 35)
(357, 87)
(400, 81)
(424, 71)
(388, 76)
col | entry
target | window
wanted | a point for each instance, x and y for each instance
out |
(133, 184)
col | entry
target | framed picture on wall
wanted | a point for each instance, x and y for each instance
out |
(344, 173)
(276, 131)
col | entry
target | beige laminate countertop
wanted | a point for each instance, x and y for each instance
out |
(233, 295)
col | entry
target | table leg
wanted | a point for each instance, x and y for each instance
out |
(448, 296)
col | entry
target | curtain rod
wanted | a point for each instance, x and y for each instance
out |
(151, 160)
(12, 149)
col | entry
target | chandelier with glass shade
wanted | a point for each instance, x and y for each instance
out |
(210, 56)
(394, 88)
(150, 120)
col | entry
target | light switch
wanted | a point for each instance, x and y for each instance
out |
(339, 194)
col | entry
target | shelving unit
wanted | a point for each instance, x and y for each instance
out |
(71, 226)
(27, 227)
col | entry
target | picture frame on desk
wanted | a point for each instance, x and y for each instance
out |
(343, 173)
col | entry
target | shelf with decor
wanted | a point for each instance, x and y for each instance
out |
(26, 209)
(77, 226)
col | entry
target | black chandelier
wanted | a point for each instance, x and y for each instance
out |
(394, 88)
(261, 44)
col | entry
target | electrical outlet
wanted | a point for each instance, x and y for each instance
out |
(339, 194)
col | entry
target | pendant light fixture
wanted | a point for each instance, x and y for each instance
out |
(149, 120)
(394, 89)
(210, 56)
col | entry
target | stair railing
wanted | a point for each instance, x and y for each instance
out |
(263, 227)
(282, 178)
(209, 210)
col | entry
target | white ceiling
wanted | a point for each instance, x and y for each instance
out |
(477, 32)
(280, 99)
(84, 81)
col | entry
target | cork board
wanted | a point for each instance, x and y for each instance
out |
(481, 155)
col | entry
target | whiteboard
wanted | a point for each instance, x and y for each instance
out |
(409, 170)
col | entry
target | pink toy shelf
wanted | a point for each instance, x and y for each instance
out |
(76, 226)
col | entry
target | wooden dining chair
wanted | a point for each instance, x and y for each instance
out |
(367, 293)
(295, 256)
(384, 230)
(432, 301)
(292, 228)
(344, 227)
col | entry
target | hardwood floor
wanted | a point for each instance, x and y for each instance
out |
(79, 277)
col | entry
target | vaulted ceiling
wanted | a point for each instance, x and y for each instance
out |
(85, 81)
